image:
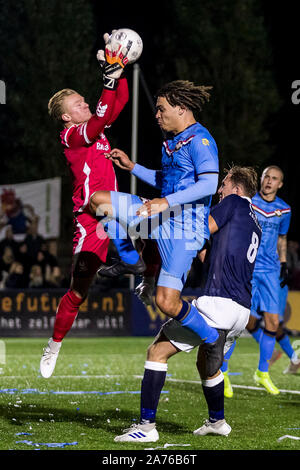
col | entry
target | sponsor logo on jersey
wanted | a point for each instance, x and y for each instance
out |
(101, 110)
(100, 146)
(205, 142)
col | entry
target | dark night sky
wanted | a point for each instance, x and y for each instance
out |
(282, 24)
(149, 19)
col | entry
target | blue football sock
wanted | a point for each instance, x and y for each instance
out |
(227, 356)
(257, 334)
(152, 384)
(214, 395)
(195, 322)
(286, 346)
(266, 346)
(122, 241)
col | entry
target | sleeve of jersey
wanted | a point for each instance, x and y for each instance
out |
(151, 177)
(222, 212)
(285, 223)
(122, 97)
(86, 133)
(205, 186)
(204, 155)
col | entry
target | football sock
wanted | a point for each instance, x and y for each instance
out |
(257, 334)
(266, 346)
(122, 241)
(285, 344)
(227, 356)
(152, 384)
(213, 390)
(191, 318)
(66, 313)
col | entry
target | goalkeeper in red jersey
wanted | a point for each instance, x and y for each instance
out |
(84, 144)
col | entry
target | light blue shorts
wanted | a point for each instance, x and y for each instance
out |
(178, 233)
(266, 292)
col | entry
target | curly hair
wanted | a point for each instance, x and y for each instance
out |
(186, 94)
(245, 176)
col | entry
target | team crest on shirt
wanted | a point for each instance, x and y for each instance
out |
(205, 141)
(278, 213)
(178, 146)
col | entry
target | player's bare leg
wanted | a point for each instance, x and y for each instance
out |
(100, 204)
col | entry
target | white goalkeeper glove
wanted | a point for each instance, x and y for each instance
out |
(112, 62)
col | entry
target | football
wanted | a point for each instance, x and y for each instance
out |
(128, 38)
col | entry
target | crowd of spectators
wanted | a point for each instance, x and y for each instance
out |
(30, 263)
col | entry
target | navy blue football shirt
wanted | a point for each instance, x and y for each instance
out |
(234, 249)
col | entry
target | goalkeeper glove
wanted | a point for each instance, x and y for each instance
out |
(112, 62)
(284, 274)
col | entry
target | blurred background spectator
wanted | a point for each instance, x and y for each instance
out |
(33, 240)
(6, 260)
(36, 277)
(16, 278)
(9, 240)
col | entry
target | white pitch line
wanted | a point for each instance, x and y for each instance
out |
(83, 376)
(168, 379)
(246, 387)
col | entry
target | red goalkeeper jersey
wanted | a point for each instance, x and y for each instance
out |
(85, 145)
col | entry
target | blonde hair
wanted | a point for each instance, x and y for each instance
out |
(245, 176)
(55, 104)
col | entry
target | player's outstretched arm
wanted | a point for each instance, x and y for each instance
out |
(120, 158)
(106, 112)
(205, 186)
(151, 177)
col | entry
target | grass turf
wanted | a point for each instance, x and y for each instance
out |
(47, 411)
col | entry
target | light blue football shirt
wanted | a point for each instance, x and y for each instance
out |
(185, 156)
(274, 218)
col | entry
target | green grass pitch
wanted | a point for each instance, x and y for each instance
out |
(63, 409)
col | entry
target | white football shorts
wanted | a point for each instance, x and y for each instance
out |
(218, 312)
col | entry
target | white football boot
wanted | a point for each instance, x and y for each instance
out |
(219, 427)
(138, 433)
(293, 367)
(49, 358)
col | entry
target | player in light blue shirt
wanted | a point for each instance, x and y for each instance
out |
(178, 220)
